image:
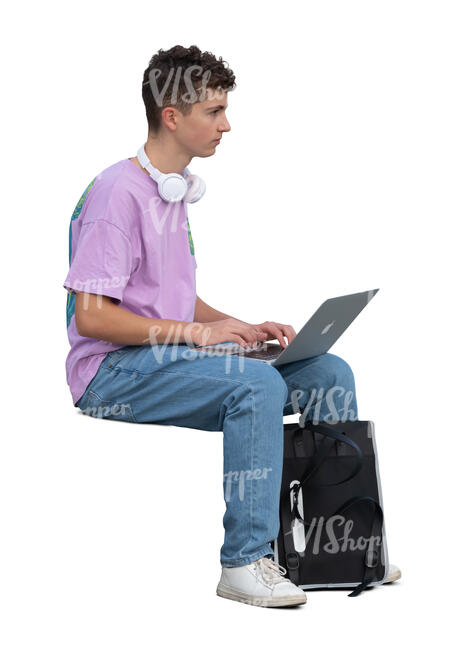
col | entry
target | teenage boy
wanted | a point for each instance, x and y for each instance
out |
(135, 322)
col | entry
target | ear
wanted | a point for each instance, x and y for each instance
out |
(169, 117)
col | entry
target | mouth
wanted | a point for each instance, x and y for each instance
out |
(217, 140)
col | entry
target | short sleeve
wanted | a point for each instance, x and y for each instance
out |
(102, 260)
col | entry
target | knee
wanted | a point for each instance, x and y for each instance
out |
(339, 371)
(269, 381)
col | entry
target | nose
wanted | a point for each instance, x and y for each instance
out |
(225, 126)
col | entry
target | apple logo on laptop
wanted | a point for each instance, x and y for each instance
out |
(327, 328)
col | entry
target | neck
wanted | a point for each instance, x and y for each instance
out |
(167, 157)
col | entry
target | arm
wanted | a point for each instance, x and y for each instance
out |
(99, 317)
(204, 313)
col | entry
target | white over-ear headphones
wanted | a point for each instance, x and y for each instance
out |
(174, 187)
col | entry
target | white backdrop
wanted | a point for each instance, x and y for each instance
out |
(340, 174)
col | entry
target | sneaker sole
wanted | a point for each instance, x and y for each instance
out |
(286, 601)
(392, 577)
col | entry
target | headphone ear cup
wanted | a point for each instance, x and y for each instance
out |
(172, 187)
(196, 188)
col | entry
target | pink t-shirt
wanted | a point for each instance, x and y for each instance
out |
(126, 242)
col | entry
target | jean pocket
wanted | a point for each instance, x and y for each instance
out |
(97, 407)
(114, 357)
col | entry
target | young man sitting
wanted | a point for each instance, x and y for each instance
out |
(134, 320)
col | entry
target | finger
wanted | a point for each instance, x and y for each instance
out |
(240, 341)
(288, 331)
(268, 331)
(274, 329)
(248, 333)
(241, 333)
(261, 335)
(293, 332)
(280, 337)
(264, 334)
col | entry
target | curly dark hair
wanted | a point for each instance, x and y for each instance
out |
(177, 77)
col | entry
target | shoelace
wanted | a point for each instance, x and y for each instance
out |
(270, 571)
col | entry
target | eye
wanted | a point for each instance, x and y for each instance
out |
(216, 111)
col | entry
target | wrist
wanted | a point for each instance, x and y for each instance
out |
(194, 333)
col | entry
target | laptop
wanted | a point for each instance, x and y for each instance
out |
(317, 336)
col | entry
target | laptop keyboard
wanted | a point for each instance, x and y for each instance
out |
(271, 351)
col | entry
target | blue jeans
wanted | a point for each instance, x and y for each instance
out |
(174, 384)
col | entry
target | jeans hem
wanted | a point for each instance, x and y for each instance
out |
(248, 560)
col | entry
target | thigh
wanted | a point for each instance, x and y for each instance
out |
(176, 384)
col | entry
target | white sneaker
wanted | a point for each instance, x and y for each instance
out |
(260, 583)
(394, 573)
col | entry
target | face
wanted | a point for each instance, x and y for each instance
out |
(199, 131)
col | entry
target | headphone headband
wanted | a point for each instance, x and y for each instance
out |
(173, 187)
